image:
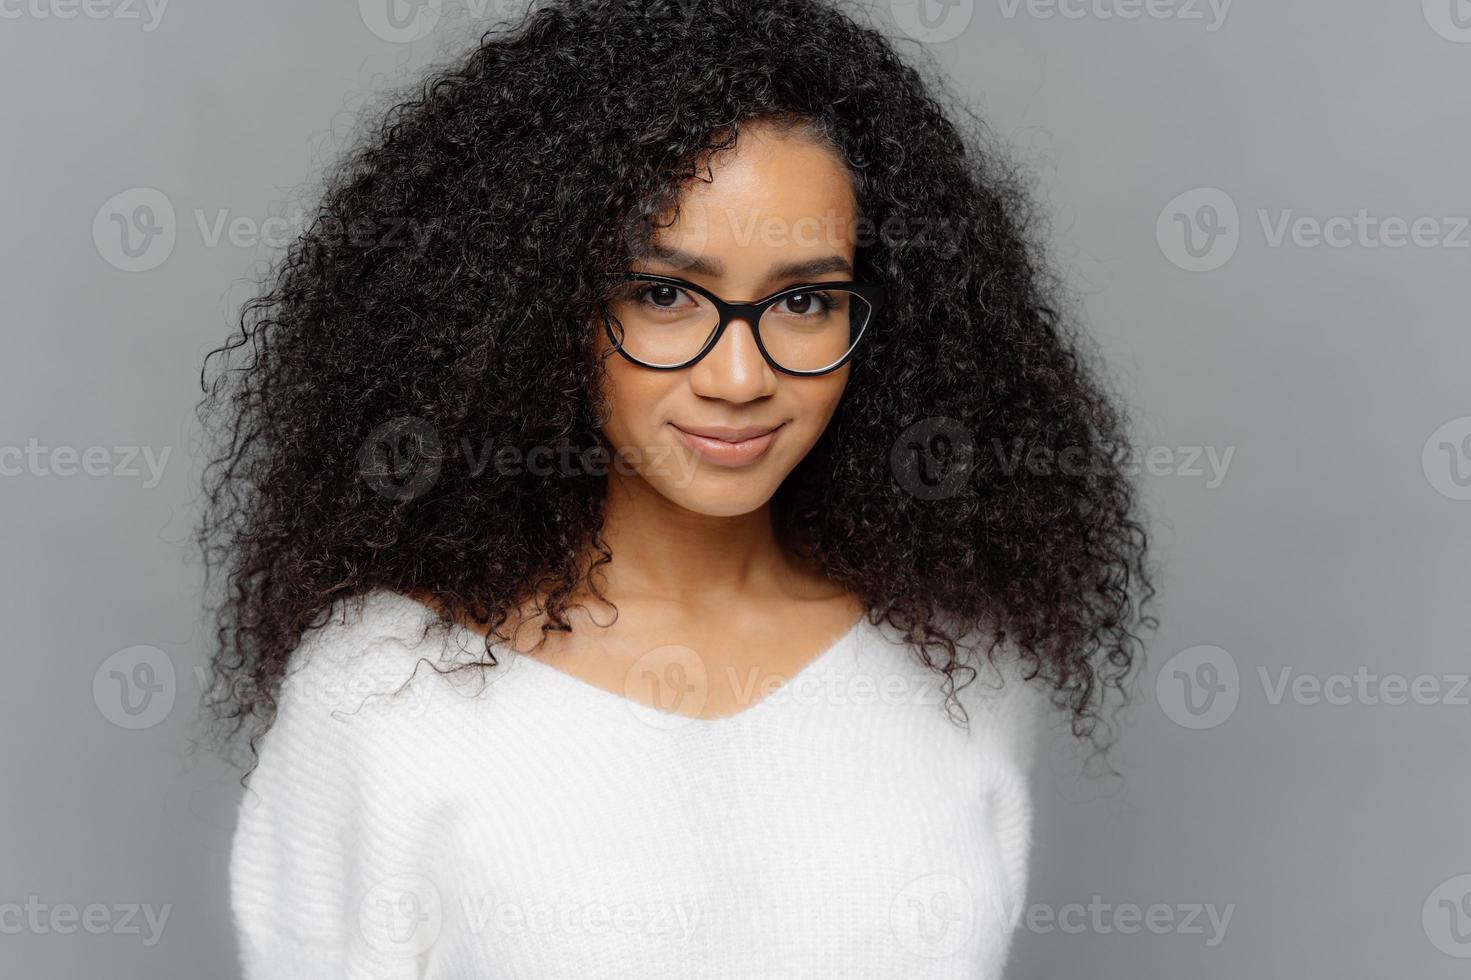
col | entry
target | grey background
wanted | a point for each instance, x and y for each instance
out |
(1336, 541)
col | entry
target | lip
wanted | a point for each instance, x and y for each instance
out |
(726, 446)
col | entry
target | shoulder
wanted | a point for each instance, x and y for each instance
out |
(369, 639)
(1007, 701)
(363, 667)
(1005, 708)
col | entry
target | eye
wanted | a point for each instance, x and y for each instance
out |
(806, 304)
(660, 296)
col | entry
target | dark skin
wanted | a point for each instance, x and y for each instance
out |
(713, 612)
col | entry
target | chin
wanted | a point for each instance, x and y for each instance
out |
(721, 498)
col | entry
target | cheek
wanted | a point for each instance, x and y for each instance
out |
(812, 404)
(820, 397)
(633, 397)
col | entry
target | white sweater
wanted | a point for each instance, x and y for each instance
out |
(523, 823)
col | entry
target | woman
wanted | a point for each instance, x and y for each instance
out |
(713, 439)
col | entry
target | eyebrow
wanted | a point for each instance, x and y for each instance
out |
(802, 269)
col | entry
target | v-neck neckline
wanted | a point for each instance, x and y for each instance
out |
(514, 660)
(662, 719)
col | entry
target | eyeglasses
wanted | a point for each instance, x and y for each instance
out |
(666, 323)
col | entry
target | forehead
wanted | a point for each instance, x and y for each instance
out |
(771, 191)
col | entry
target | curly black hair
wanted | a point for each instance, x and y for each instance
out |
(439, 303)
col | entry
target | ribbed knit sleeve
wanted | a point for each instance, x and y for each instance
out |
(328, 850)
(1010, 714)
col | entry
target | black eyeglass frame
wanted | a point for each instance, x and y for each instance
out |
(870, 293)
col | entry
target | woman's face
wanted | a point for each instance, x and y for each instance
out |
(776, 200)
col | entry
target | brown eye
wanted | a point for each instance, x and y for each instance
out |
(661, 295)
(805, 304)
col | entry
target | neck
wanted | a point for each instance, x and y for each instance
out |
(665, 550)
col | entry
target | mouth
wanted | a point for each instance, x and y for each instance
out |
(726, 446)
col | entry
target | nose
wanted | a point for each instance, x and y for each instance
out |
(734, 370)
